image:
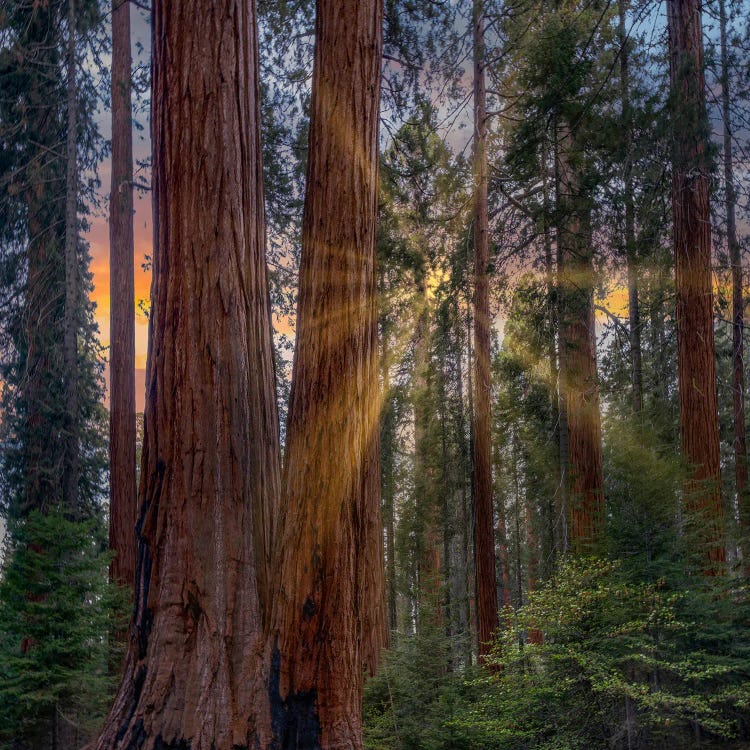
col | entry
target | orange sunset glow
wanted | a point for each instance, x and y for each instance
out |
(98, 238)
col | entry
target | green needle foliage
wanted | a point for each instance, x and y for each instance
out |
(56, 612)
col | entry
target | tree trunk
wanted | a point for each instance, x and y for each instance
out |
(696, 363)
(329, 620)
(578, 359)
(425, 486)
(738, 302)
(484, 537)
(70, 346)
(387, 432)
(472, 491)
(122, 489)
(555, 506)
(193, 672)
(465, 460)
(533, 550)
(631, 260)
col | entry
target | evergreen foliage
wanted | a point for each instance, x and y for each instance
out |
(56, 611)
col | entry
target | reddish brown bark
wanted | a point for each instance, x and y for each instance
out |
(738, 302)
(193, 673)
(484, 537)
(699, 427)
(578, 359)
(122, 489)
(329, 616)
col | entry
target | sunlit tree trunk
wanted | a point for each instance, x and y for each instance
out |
(484, 537)
(122, 489)
(210, 466)
(738, 301)
(578, 377)
(329, 616)
(699, 426)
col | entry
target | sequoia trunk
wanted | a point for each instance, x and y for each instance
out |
(578, 358)
(193, 672)
(329, 618)
(699, 426)
(122, 489)
(738, 302)
(484, 537)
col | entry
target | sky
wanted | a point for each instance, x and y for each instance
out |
(98, 235)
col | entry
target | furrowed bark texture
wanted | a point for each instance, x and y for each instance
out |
(329, 615)
(699, 426)
(484, 537)
(578, 360)
(738, 302)
(122, 433)
(193, 673)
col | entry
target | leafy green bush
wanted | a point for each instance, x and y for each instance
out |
(621, 665)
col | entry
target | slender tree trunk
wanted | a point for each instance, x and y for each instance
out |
(484, 538)
(738, 301)
(631, 260)
(555, 504)
(425, 487)
(446, 490)
(699, 426)
(472, 490)
(122, 489)
(503, 557)
(563, 509)
(532, 549)
(70, 346)
(329, 616)
(387, 484)
(578, 359)
(466, 530)
(194, 673)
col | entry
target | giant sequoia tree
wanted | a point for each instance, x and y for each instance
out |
(193, 674)
(122, 489)
(329, 615)
(484, 534)
(699, 426)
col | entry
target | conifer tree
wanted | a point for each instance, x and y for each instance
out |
(699, 428)
(210, 484)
